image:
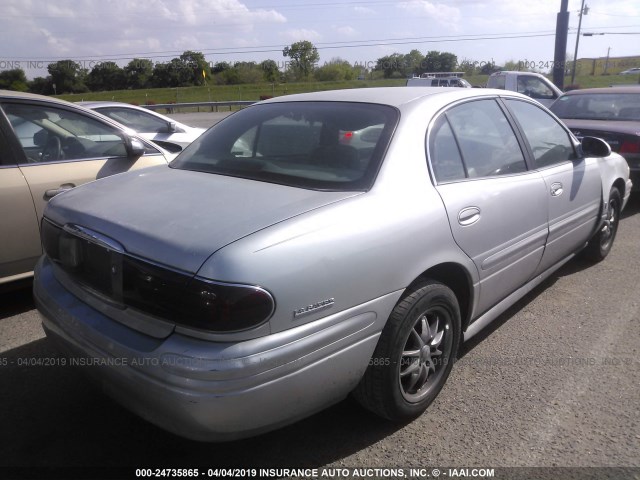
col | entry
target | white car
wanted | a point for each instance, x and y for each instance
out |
(631, 71)
(164, 131)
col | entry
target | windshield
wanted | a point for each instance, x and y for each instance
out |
(599, 106)
(319, 145)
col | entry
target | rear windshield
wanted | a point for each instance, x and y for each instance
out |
(599, 106)
(334, 146)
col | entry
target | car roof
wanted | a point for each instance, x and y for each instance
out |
(10, 94)
(518, 72)
(392, 96)
(629, 89)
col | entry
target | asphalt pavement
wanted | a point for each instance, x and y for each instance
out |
(200, 119)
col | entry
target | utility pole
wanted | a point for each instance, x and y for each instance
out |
(583, 11)
(560, 56)
(606, 63)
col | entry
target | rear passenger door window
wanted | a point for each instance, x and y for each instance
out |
(485, 142)
(549, 141)
(446, 160)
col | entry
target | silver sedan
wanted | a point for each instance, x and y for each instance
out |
(272, 268)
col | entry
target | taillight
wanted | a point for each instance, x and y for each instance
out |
(194, 302)
(630, 147)
(154, 289)
(223, 307)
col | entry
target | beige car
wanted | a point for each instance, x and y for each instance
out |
(48, 146)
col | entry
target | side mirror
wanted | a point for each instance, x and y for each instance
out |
(135, 147)
(595, 147)
(171, 127)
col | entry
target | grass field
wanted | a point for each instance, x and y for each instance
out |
(216, 93)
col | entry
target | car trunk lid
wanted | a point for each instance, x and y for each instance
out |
(618, 134)
(178, 218)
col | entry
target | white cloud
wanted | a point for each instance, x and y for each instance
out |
(346, 31)
(297, 34)
(94, 26)
(162, 29)
(444, 14)
(364, 10)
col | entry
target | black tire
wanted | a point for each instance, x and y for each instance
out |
(406, 373)
(600, 244)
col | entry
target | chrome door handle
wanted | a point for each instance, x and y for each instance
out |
(468, 216)
(556, 189)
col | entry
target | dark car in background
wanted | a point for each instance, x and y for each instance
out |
(612, 114)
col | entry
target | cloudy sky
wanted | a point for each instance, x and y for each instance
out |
(36, 32)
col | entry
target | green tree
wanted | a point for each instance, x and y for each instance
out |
(220, 67)
(231, 76)
(335, 70)
(435, 61)
(413, 63)
(468, 67)
(41, 85)
(172, 74)
(14, 79)
(392, 66)
(304, 55)
(519, 65)
(489, 68)
(196, 64)
(248, 72)
(106, 76)
(270, 71)
(138, 73)
(67, 76)
(240, 72)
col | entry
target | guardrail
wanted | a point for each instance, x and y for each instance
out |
(214, 106)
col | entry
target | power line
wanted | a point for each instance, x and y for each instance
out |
(319, 46)
(591, 34)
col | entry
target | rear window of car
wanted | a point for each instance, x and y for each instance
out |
(335, 146)
(599, 106)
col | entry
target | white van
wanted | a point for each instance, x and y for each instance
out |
(438, 82)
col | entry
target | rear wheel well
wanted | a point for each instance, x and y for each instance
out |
(457, 279)
(620, 185)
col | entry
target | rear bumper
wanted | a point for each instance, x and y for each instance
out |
(214, 391)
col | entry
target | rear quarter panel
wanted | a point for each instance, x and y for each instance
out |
(355, 250)
(614, 168)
